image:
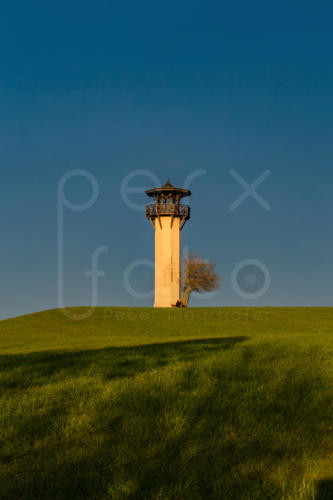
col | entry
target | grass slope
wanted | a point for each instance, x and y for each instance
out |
(158, 404)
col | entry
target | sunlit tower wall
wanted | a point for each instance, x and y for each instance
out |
(168, 217)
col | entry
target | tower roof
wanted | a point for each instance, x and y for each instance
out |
(168, 184)
(168, 188)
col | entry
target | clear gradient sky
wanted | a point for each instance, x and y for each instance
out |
(172, 87)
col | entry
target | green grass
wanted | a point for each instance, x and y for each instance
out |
(167, 404)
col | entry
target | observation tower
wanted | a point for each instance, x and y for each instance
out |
(168, 217)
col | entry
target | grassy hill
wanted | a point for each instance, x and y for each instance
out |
(167, 404)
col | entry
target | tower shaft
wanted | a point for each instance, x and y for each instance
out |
(167, 261)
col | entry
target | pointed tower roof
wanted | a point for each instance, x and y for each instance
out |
(168, 188)
(168, 185)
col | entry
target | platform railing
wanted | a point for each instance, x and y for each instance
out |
(158, 209)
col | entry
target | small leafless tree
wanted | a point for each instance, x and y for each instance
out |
(197, 275)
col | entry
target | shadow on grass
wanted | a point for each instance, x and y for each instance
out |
(218, 430)
(28, 370)
(324, 489)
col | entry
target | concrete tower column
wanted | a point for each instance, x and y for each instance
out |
(167, 262)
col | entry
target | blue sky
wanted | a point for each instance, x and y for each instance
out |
(172, 88)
